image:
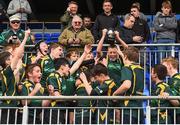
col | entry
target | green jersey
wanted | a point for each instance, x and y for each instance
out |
(160, 88)
(134, 73)
(114, 69)
(47, 66)
(9, 87)
(105, 89)
(28, 87)
(55, 80)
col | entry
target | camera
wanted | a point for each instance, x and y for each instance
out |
(13, 39)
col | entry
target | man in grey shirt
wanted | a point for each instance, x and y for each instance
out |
(19, 7)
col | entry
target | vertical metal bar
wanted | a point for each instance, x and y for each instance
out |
(8, 116)
(166, 116)
(16, 116)
(58, 116)
(174, 116)
(130, 116)
(148, 114)
(34, 119)
(139, 116)
(66, 117)
(25, 114)
(106, 116)
(173, 51)
(98, 116)
(114, 117)
(0, 114)
(74, 116)
(82, 116)
(50, 119)
(42, 116)
(90, 116)
(122, 116)
(158, 111)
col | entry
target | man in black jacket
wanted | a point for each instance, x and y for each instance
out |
(106, 20)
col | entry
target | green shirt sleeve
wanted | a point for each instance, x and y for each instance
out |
(24, 91)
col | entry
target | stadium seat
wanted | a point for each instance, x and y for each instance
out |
(54, 37)
(52, 25)
(178, 16)
(149, 20)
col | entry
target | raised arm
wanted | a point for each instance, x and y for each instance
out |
(100, 44)
(77, 64)
(19, 51)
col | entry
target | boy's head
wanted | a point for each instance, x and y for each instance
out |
(33, 73)
(158, 72)
(131, 54)
(72, 55)
(62, 64)
(56, 50)
(112, 52)
(42, 47)
(99, 72)
(171, 63)
(5, 58)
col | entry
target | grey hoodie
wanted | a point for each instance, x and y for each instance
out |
(165, 26)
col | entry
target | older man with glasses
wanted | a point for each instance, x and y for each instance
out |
(76, 36)
(14, 34)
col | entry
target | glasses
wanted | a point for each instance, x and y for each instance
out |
(77, 22)
(13, 22)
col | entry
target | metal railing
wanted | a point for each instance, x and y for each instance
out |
(82, 115)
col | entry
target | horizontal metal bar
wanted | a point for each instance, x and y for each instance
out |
(86, 97)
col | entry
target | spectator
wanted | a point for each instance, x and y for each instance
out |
(9, 63)
(14, 33)
(132, 76)
(87, 22)
(141, 15)
(172, 65)
(140, 27)
(159, 73)
(106, 20)
(126, 32)
(165, 25)
(20, 8)
(76, 35)
(70, 12)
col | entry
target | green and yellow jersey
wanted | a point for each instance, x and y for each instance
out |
(47, 66)
(114, 70)
(27, 88)
(9, 87)
(160, 88)
(55, 80)
(135, 74)
(105, 89)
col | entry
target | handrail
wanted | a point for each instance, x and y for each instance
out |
(87, 97)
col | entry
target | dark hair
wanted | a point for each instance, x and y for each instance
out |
(135, 6)
(132, 54)
(161, 71)
(59, 62)
(73, 2)
(112, 46)
(3, 57)
(105, 1)
(29, 68)
(99, 69)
